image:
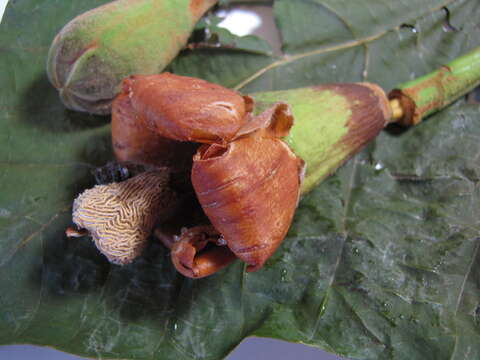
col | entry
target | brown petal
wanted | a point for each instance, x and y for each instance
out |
(134, 142)
(184, 108)
(249, 189)
(191, 261)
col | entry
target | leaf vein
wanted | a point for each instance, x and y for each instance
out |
(29, 237)
(286, 59)
(460, 295)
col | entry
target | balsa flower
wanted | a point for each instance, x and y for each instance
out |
(234, 154)
(246, 179)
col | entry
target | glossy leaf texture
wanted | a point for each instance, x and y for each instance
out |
(382, 261)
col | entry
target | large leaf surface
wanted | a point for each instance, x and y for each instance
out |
(382, 260)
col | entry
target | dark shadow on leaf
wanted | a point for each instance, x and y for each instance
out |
(98, 150)
(147, 288)
(396, 130)
(74, 267)
(41, 107)
(71, 267)
(474, 96)
(141, 290)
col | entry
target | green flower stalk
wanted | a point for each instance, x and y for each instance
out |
(93, 53)
(247, 170)
(428, 94)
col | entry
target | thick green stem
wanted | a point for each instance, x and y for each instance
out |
(432, 92)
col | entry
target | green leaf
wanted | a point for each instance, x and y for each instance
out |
(382, 261)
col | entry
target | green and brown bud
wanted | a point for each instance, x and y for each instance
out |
(93, 53)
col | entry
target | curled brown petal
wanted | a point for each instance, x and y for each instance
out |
(186, 109)
(134, 142)
(155, 117)
(192, 259)
(249, 188)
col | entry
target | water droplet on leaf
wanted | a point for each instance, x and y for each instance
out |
(379, 166)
